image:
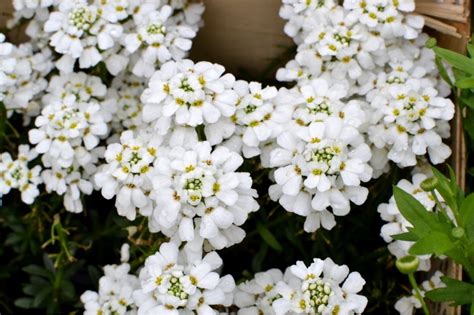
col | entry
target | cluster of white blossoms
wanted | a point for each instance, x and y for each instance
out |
(17, 174)
(188, 194)
(320, 288)
(67, 135)
(115, 290)
(112, 105)
(377, 51)
(171, 282)
(183, 281)
(7, 66)
(144, 34)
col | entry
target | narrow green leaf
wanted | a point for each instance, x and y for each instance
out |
(467, 83)
(458, 292)
(455, 59)
(470, 50)
(268, 237)
(24, 302)
(409, 237)
(36, 270)
(443, 72)
(444, 188)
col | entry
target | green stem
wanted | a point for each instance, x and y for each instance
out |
(418, 295)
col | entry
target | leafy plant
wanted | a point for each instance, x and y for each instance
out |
(447, 231)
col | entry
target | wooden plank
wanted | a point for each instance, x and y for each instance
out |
(443, 10)
(241, 34)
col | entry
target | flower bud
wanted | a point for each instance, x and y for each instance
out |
(430, 43)
(457, 232)
(429, 184)
(407, 264)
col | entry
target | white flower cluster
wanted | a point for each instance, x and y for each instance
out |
(7, 66)
(376, 51)
(183, 282)
(397, 224)
(188, 194)
(28, 75)
(115, 290)
(16, 174)
(67, 135)
(144, 34)
(408, 304)
(321, 288)
(171, 282)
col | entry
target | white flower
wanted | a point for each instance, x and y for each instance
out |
(81, 31)
(320, 99)
(257, 295)
(115, 292)
(261, 114)
(183, 94)
(405, 122)
(202, 184)
(126, 91)
(16, 174)
(7, 66)
(172, 283)
(29, 72)
(386, 17)
(158, 37)
(321, 168)
(303, 15)
(321, 288)
(84, 87)
(127, 173)
(67, 126)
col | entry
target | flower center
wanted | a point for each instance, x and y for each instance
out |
(344, 40)
(319, 293)
(135, 158)
(82, 18)
(322, 107)
(176, 288)
(250, 108)
(186, 86)
(193, 184)
(325, 155)
(155, 29)
(16, 174)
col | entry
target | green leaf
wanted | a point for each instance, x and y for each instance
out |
(458, 292)
(466, 209)
(470, 50)
(258, 259)
(268, 237)
(41, 297)
(36, 270)
(442, 71)
(445, 189)
(456, 60)
(435, 242)
(24, 302)
(423, 221)
(467, 83)
(408, 236)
